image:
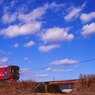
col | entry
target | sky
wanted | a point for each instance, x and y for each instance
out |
(48, 39)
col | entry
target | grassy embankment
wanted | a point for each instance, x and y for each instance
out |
(84, 86)
(19, 88)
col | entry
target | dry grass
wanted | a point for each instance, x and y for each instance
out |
(16, 88)
(85, 85)
(19, 88)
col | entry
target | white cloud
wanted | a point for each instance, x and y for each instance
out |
(58, 70)
(56, 34)
(56, 5)
(70, 37)
(40, 75)
(74, 12)
(24, 71)
(15, 45)
(26, 58)
(34, 15)
(65, 62)
(8, 18)
(26, 29)
(48, 47)
(37, 13)
(4, 60)
(29, 44)
(87, 17)
(88, 29)
(27, 22)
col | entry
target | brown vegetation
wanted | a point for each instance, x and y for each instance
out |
(85, 85)
(19, 88)
(16, 88)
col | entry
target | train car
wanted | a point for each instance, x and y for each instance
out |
(9, 72)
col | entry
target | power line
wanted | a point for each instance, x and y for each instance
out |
(48, 66)
(33, 69)
(87, 60)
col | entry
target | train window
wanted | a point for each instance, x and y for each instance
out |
(5, 69)
(17, 71)
(11, 70)
(67, 86)
(14, 71)
(5, 73)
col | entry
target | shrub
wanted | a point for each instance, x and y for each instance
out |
(85, 85)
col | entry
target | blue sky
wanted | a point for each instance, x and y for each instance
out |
(55, 35)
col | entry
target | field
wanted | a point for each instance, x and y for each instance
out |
(19, 88)
(84, 86)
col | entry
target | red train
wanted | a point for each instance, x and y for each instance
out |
(9, 72)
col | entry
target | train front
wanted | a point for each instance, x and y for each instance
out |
(14, 72)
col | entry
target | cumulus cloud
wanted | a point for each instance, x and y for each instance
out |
(29, 44)
(48, 47)
(64, 62)
(15, 45)
(4, 60)
(8, 18)
(37, 13)
(34, 15)
(88, 29)
(56, 34)
(87, 17)
(28, 23)
(17, 15)
(58, 70)
(26, 29)
(56, 5)
(74, 12)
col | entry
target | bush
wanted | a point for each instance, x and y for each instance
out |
(85, 85)
(16, 87)
(20, 88)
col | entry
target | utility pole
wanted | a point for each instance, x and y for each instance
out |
(46, 88)
(53, 78)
